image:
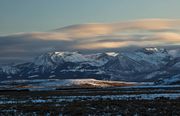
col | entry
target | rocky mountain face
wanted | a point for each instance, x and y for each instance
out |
(147, 64)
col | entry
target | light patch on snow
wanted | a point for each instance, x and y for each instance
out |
(32, 76)
(51, 76)
(112, 54)
(154, 74)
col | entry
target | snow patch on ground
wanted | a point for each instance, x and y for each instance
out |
(58, 99)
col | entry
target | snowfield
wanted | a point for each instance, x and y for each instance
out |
(96, 96)
(141, 65)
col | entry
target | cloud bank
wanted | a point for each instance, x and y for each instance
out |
(94, 36)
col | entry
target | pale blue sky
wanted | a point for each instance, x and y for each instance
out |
(44, 15)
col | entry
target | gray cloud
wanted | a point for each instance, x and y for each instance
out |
(91, 37)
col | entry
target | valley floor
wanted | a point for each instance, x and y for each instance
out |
(135, 100)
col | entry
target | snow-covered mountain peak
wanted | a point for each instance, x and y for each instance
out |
(149, 57)
(65, 53)
(144, 64)
(59, 57)
(70, 56)
(55, 58)
(112, 54)
(152, 50)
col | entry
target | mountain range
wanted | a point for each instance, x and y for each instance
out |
(142, 65)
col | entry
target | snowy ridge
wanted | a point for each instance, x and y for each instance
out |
(147, 64)
(49, 59)
(9, 69)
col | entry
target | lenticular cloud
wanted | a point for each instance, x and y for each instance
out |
(94, 36)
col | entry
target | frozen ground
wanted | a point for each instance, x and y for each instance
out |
(77, 97)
